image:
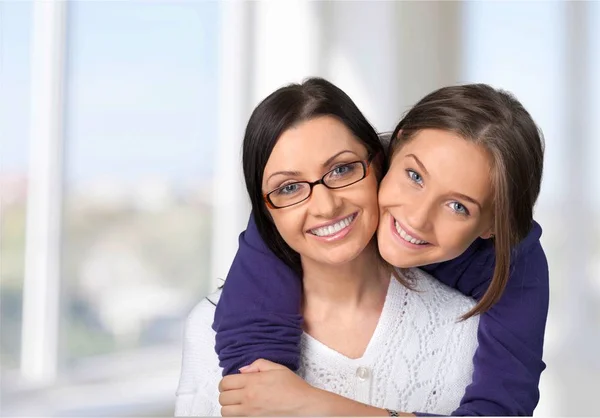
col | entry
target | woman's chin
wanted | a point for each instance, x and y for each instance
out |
(400, 257)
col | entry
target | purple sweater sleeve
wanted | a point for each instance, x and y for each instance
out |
(258, 314)
(508, 361)
(258, 317)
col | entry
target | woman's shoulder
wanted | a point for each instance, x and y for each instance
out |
(199, 339)
(202, 315)
(197, 393)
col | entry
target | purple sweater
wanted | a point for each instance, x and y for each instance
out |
(258, 316)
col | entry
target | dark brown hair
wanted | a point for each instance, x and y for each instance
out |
(495, 120)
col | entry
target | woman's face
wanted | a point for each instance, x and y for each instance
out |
(331, 226)
(435, 200)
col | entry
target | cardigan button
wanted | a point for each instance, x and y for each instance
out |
(362, 373)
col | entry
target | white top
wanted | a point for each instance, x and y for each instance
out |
(420, 357)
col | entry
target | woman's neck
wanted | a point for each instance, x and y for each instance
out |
(342, 304)
(350, 284)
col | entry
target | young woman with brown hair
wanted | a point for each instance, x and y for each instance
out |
(465, 172)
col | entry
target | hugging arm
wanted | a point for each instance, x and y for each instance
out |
(258, 316)
(508, 361)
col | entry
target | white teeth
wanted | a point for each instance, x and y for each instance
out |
(332, 229)
(406, 236)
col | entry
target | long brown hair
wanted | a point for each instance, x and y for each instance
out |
(497, 121)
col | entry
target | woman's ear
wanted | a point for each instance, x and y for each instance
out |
(394, 145)
(487, 234)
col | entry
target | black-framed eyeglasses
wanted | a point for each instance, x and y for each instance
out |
(341, 176)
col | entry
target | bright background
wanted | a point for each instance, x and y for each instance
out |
(121, 192)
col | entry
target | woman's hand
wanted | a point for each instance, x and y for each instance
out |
(265, 389)
(269, 389)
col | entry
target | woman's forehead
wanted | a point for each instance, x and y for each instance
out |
(313, 142)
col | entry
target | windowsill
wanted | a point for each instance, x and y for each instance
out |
(140, 382)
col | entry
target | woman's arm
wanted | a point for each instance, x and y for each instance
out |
(260, 289)
(508, 361)
(260, 293)
(269, 389)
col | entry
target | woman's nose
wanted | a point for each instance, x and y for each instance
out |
(323, 202)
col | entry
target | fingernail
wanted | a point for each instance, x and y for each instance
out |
(241, 369)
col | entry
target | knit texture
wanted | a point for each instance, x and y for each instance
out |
(418, 359)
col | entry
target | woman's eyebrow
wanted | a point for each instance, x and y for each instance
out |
(419, 163)
(467, 198)
(297, 173)
(285, 173)
(332, 158)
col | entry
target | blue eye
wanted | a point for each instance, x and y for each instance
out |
(289, 189)
(459, 208)
(414, 176)
(342, 170)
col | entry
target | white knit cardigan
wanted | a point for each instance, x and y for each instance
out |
(420, 357)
